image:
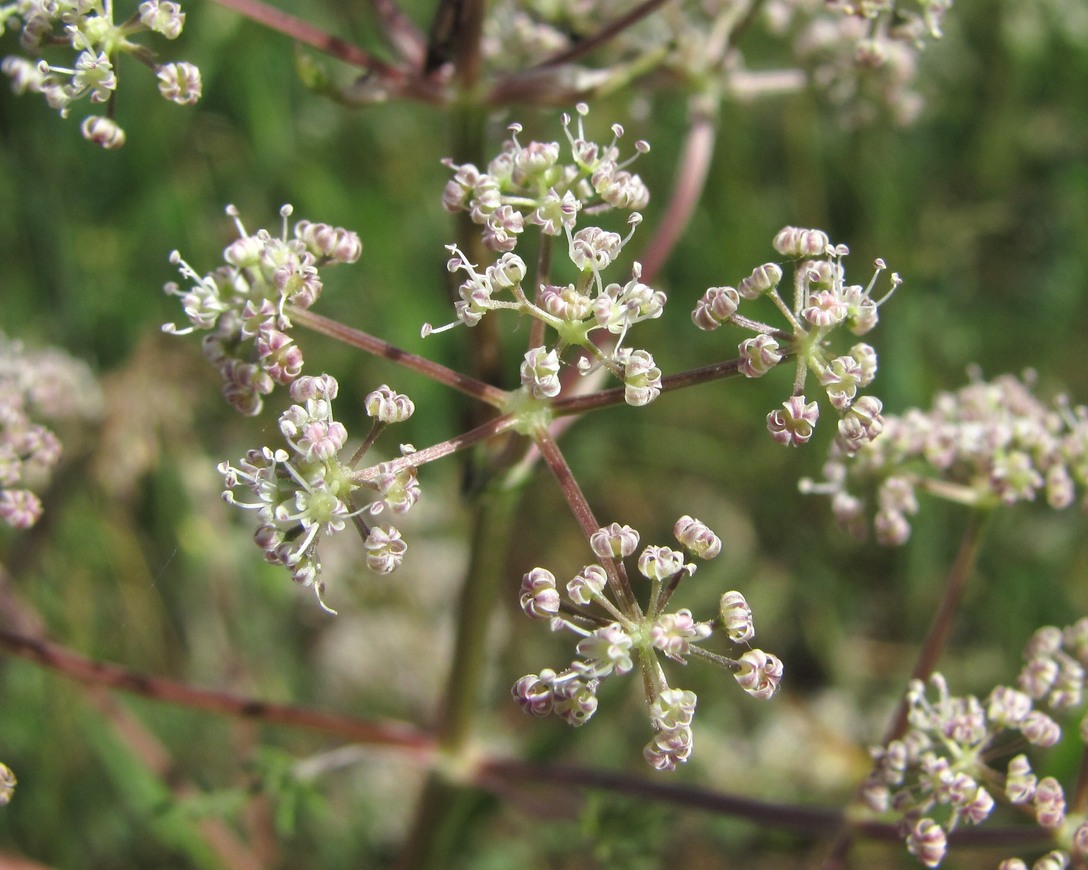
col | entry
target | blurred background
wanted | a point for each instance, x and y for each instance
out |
(981, 205)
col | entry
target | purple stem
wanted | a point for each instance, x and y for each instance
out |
(691, 174)
(375, 346)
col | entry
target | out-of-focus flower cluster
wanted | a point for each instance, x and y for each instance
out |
(822, 303)
(614, 631)
(87, 28)
(989, 443)
(940, 775)
(243, 304)
(36, 384)
(863, 54)
(305, 492)
(7, 785)
(527, 186)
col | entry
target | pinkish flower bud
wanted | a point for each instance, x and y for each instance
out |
(1020, 782)
(660, 563)
(614, 541)
(697, 537)
(758, 356)
(388, 406)
(796, 243)
(1049, 803)
(759, 673)
(539, 598)
(927, 842)
(540, 373)
(385, 549)
(737, 618)
(762, 280)
(716, 306)
(794, 424)
(587, 585)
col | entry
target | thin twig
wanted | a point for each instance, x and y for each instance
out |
(605, 398)
(605, 34)
(74, 666)
(583, 513)
(301, 31)
(407, 39)
(501, 774)
(375, 346)
(483, 432)
(691, 174)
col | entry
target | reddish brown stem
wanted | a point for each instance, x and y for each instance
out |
(505, 775)
(691, 174)
(605, 34)
(375, 346)
(605, 398)
(407, 39)
(583, 513)
(300, 31)
(74, 666)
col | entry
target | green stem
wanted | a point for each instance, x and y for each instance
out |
(440, 809)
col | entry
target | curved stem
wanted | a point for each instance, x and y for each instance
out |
(691, 174)
(435, 371)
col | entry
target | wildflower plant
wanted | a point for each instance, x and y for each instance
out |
(555, 260)
(90, 29)
(610, 642)
(986, 445)
(956, 759)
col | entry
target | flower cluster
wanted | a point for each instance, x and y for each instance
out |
(36, 384)
(527, 186)
(862, 54)
(243, 304)
(822, 303)
(613, 631)
(987, 444)
(87, 27)
(935, 777)
(305, 492)
(7, 784)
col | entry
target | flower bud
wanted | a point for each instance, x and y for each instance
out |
(697, 537)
